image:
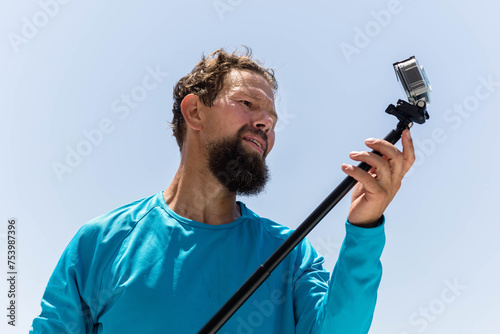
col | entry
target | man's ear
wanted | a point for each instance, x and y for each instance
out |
(190, 107)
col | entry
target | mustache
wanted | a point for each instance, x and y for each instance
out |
(249, 129)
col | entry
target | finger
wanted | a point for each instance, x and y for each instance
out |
(373, 172)
(380, 166)
(394, 156)
(408, 151)
(370, 185)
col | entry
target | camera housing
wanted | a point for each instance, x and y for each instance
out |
(414, 80)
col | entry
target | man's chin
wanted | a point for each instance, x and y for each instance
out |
(240, 169)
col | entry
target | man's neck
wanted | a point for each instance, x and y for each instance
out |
(197, 195)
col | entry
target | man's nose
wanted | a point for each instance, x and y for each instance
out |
(264, 122)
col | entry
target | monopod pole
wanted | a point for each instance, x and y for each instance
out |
(263, 272)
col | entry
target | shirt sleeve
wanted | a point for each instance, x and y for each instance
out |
(345, 304)
(65, 309)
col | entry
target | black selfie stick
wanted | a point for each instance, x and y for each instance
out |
(407, 114)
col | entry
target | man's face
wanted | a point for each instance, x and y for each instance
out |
(241, 132)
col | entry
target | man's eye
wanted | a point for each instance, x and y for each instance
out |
(247, 103)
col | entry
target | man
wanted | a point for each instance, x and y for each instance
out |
(167, 263)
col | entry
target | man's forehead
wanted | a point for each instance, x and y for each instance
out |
(249, 82)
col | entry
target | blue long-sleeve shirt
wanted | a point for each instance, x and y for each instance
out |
(144, 269)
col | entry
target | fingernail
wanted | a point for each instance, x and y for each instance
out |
(408, 134)
(354, 153)
(370, 140)
(346, 166)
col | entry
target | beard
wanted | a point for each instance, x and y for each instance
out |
(240, 170)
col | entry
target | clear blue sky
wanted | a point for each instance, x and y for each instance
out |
(67, 67)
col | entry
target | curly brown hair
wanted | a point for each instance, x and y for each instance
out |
(206, 80)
